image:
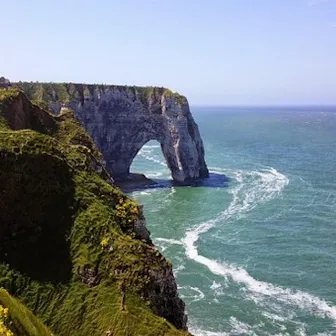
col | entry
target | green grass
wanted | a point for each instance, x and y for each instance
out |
(6, 98)
(21, 321)
(179, 98)
(44, 93)
(68, 247)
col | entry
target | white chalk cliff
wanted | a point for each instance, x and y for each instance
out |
(122, 119)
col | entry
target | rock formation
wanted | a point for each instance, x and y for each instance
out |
(73, 248)
(4, 83)
(122, 119)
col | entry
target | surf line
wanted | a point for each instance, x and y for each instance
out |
(146, 155)
(266, 185)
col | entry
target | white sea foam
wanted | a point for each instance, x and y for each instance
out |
(163, 243)
(151, 158)
(237, 328)
(146, 152)
(201, 332)
(170, 241)
(142, 192)
(254, 188)
(301, 331)
(240, 328)
(154, 174)
(274, 317)
(218, 289)
(145, 192)
(215, 285)
(151, 146)
(178, 269)
(137, 193)
(169, 196)
(194, 294)
(199, 294)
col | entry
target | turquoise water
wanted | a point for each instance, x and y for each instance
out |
(253, 253)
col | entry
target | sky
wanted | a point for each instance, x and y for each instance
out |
(216, 52)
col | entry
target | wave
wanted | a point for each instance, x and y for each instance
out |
(268, 184)
(240, 328)
(298, 298)
(151, 146)
(218, 290)
(172, 191)
(237, 328)
(253, 188)
(215, 285)
(143, 192)
(200, 332)
(193, 293)
(151, 158)
(154, 174)
(178, 269)
(161, 243)
(273, 317)
(170, 241)
(147, 151)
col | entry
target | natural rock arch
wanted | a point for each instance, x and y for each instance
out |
(182, 151)
(122, 119)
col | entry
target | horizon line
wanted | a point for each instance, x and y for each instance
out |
(264, 105)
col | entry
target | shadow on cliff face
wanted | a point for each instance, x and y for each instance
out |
(36, 196)
(213, 181)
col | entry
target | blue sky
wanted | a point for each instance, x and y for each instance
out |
(213, 51)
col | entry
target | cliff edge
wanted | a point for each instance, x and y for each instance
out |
(73, 248)
(122, 119)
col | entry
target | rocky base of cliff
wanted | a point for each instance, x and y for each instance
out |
(134, 181)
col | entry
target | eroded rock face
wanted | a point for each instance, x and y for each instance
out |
(123, 119)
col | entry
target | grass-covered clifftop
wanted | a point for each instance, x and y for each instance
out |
(67, 92)
(73, 248)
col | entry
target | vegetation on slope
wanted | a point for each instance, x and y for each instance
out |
(16, 319)
(69, 245)
(67, 92)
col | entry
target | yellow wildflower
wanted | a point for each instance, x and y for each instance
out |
(104, 242)
(4, 331)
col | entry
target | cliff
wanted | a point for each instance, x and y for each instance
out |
(73, 248)
(122, 119)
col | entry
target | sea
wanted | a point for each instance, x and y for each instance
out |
(253, 246)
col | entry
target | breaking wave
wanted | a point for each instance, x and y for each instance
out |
(146, 153)
(252, 189)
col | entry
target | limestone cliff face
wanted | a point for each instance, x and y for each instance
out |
(122, 119)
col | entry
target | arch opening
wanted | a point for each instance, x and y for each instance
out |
(150, 169)
(150, 163)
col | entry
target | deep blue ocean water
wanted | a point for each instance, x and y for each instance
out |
(254, 246)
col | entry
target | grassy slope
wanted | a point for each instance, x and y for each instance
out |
(67, 246)
(21, 321)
